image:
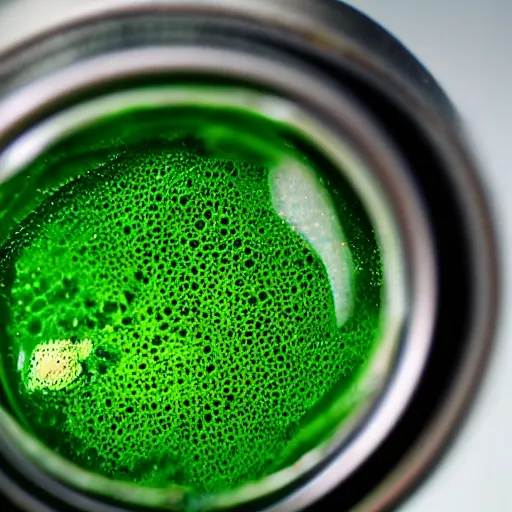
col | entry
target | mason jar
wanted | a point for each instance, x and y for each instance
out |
(246, 262)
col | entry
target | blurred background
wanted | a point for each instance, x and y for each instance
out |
(466, 45)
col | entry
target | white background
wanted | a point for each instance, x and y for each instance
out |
(467, 46)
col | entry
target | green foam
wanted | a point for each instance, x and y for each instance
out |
(167, 326)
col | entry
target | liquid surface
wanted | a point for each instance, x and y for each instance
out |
(169, 326)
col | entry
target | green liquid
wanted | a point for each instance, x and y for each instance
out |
(168, 326)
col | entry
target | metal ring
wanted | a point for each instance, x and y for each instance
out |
(417, 96)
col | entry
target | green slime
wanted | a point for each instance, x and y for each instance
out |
(211, 320)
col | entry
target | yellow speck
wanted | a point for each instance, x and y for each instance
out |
(56, 364)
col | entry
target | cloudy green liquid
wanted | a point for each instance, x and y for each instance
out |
(167, 325)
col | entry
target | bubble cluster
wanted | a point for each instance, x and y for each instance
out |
(199, 327)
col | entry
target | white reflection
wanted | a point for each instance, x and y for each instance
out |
(21, 360)
(300, 198)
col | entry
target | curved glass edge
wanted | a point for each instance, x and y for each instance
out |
(374, 375)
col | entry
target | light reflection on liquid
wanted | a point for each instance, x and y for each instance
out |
(300, 198)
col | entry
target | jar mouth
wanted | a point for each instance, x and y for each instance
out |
(306, 55)
(408, 293)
